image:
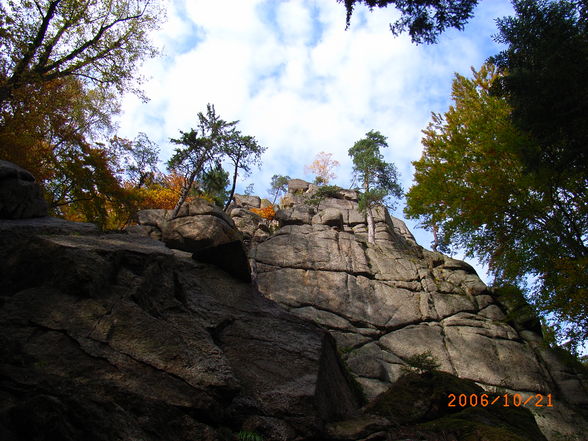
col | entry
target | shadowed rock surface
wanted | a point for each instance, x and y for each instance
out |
(117, 337)
(20, 195)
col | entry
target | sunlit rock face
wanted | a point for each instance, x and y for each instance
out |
(119, 336)
(391, 300)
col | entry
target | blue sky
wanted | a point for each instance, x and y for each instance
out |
(300, 83)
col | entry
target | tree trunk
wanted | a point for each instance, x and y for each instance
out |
(435, 243)
(184, 194)
(370, 226)
(368, 210)
(189, 181)
(232, 193)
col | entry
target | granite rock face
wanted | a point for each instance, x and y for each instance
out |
(201, 229)
(20, 195)
(389, 301)
(119, 337)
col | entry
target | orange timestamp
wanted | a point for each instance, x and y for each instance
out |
(506, 400)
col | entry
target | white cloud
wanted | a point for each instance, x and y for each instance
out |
(299, 82)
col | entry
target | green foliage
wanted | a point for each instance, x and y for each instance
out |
(200, 148)
(213, 185)
(278, 186)
(243, 152)
(203, 149)
(471, 185)
(421, 363)
(424, 20)
(378, 179)
(323, 192)
(547, 65)
(244, 435)
(100, 42)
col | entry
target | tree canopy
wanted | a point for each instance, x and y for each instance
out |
(424, 20)
(63, 65)
(323, 168)
(199, 148)
(99, 42)
(472, 185)
(203, 150)
(243, 152)
(546, 61)
(278, 186)
(377, 178)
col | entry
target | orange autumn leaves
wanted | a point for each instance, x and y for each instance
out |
(267, 212)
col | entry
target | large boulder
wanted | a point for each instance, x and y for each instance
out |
(20, 195)
(247, 201)
(298, 186)
(201, 229)
(119, 337)
(296, 215)
(252, 225)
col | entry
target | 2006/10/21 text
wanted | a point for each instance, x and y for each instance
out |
(516, 400)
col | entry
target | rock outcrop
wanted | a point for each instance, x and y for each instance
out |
(392, 300)
(119, 337)
(201, 229)
(20, 195)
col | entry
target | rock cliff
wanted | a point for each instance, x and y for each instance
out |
(392, 300)
(115, 336)
(177, 331)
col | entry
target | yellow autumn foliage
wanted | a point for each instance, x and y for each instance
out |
(267, 213)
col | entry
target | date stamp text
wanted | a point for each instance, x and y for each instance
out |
(505, 400)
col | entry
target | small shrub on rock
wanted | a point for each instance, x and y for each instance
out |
(421, 363)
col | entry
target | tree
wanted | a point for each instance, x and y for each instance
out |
(62, 63)
(249, 189)
(100, 42)
(546, 61)
(51, 135)
(322, 166)
(243, 152)
(378, 179)
(200, 147)
(213, 185)
(45, 120)
(137, 159)
(279, 185)
(473, 186)
(545, 66)
(425, 20)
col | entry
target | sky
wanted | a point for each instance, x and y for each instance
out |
(301, 84)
